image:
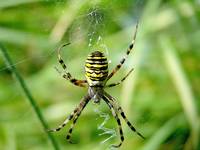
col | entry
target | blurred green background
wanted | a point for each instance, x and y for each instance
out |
(161, 96)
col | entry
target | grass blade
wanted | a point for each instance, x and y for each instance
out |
(28, 94)
(183, 87)
(163, 133)
(11, 3)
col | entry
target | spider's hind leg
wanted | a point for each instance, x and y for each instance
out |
(65, 122)
(82, 105)
(73, 115)
(129, 124)
(68, 137)
(114, 103)
(118, 121)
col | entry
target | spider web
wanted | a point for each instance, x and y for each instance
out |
(96, 42)
(89, 26)
(105, 131)
(92, 25)
(95, 37)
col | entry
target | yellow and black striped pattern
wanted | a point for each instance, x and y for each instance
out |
(96, 72)
(96, 69)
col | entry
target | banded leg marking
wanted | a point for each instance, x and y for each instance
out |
(127, 53)
(80, 109)
(116, 105)
(65, 122)
(118, 121)
(73, 114)
(66, 74)
(68, 137)
(115, 84)
(129, 124)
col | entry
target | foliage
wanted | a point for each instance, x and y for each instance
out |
(161, 96)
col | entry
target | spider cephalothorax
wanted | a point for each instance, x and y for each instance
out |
(96, 73)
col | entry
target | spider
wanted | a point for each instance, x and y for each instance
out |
(96, 73)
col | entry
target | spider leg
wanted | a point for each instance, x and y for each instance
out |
(65, 122)
(115, 84)
(114, 102)
(67, 75)
(124, 58)
(81, 83)
(129, 124)
(68, 137)
(80, 109)
(117, 119)
(73, 114)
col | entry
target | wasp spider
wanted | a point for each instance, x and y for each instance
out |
(96, 73)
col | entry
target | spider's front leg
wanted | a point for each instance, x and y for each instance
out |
(67, 75)
(124, 58)
(73, 115)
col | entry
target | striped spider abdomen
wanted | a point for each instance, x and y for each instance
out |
(96, 69)
(96, 72)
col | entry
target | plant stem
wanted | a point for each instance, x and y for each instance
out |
(28, 94)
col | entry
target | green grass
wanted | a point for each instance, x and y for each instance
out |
(33, 103)
(161, 96)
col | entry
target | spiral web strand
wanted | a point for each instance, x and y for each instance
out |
(105, 131)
